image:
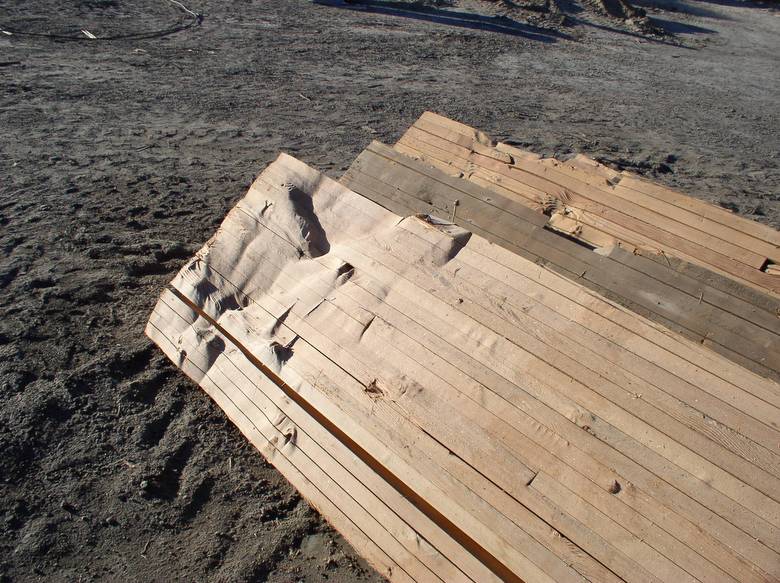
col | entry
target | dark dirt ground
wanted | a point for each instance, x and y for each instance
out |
(118, 159)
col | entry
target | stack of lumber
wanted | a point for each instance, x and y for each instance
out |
(463, 412)
(722, 314)
(601, 206)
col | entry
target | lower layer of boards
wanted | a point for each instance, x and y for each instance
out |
(738, 322)
(604, 207)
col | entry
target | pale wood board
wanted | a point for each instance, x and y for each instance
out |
(738, 329)
(622, 205)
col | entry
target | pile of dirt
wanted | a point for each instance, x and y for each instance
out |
(120, 158)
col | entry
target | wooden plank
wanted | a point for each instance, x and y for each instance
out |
(370, 442)
(748, 310)
(754, 277)
(706, 210)
(429, 394)
(634, 182)
(381, 193)
(403, 434)
(499, 395)
(586, 173)
(323, 316)
(681, 358)
(330, 336)
(388, 198)
(642, 284)
(445, 427)
(416, 350)
(528, 194)
(754, 297)
(381, 170)
(391, 509)
(482, 279)
(601, 476)
(723, 507)
(534, 200)
(543, 436)
(697, 398)
(750, 396)
(494, 507)
(191, 287)
(667, 233)
(340, 513)
(595, 229)
(641, 245)
(574, 227)
(579, 192)
(544, 509)
(624, 540)
(706, 320)
(749, 336)
(547, 394)
(374, 171)
(578, 374)
(218, 286)
(482, 197)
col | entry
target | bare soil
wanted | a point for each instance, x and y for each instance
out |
(119, 158)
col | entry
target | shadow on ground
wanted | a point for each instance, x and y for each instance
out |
(498, 24)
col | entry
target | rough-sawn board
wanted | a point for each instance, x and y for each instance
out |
(604, 207)
(743, 325)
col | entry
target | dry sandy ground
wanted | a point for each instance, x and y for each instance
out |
(119, 158)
